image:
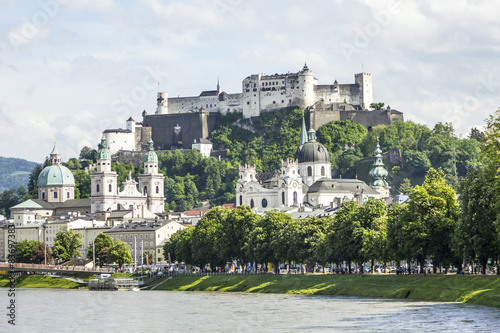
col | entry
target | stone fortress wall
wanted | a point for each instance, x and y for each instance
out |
(261, 92)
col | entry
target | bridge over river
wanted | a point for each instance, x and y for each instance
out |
(57, 269)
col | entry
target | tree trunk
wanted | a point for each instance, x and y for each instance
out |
(484, 262)
(422, 268)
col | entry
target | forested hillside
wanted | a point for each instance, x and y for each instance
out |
(275, 136)
(14, 172)
(265, 141)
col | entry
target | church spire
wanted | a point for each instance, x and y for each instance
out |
(378, 171)
(55, 157)
(103, 152)
(303, 132)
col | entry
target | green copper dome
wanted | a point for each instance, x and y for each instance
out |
(150, 155)
(56, 175)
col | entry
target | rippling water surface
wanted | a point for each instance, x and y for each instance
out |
(50, 310)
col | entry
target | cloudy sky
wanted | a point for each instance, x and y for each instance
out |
(71, 68)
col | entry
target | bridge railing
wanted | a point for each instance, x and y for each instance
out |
(56, 267)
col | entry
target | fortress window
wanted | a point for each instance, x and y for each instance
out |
(97, 188)
(282, 101)
(274, 102)
(110, 188)
(248, 103)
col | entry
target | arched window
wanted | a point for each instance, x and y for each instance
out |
(157, 189)
(264, 203)
(283, 198)
(309, 171)
(322, 170)
(241, 200)
(110, 188)
(43, 195)
(97, 188)
(251, 204)
(295, 197)
(145, 190)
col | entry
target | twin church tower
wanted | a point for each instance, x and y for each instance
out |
(142, 199)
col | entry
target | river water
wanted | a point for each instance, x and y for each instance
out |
(52, 310)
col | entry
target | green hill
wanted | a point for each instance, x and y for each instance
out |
(14, 172)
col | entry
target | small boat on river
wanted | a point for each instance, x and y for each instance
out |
(110, 283)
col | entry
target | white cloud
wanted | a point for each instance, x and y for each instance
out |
(427, 59)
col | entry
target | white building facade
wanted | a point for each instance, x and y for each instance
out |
(261, 92)
(305, 181)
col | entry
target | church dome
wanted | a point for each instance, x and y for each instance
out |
(312, 152)
(151, 156)
(56, 175)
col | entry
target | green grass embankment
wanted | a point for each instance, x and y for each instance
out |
(481, 290)
(39, 281)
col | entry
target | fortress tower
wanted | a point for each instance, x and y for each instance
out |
(162, 103)
(364, 81)
(306, 87)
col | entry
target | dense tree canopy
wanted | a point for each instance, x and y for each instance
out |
(67, 244)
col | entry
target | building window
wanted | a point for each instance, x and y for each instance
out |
(283, 198)
(55, 195)
(43, 195)
(309, 171)
(145, 190)
(68, 195)
(295, 198)
(264, 203)
(97, 188)
(251, 203)
(322, 170)
(157, 189)
(241, 200)
(110, 188)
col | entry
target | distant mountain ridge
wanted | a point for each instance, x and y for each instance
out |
(14, 172)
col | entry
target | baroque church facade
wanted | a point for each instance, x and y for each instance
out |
(147, 201)
(306, 181)
(56, 191)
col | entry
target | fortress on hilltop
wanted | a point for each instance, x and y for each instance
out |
(179, 122)
(261, 93)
